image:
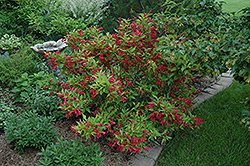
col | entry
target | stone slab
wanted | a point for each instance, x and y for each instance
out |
(146, 158)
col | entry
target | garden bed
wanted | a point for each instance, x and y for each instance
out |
(9, 156)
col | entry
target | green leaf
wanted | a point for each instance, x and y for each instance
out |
(25, 83)
(24, 94)
(19, 80)
(16, 90)
(25, 75)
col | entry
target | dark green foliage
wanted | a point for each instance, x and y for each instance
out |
(192, 19)
(12, 67)
(43, 102)
(71, 152)
(240, 53)
(14, 15)
(217, 40)
(128, 9)
(24, 82)
(36, 17)
(192, 30)
(29, 130)
(54, 25)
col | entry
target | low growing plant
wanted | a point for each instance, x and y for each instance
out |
(246, 115)
(44, 102)
(9, 43)
(4, 56)
(71, 152)
(124, 86)
(29, 130)
(29, 90)
(26, 81)
(15, 65)
(5, 112)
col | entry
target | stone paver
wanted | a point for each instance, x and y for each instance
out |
(148, 158)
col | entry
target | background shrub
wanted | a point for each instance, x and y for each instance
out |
(48, 20)
(127, 9)
(14, 15)
(71, 152)
(90, 11)
(29, 130)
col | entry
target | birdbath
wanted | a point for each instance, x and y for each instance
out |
(50, 46)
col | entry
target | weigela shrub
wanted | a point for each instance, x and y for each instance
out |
(29, 130)
(71, 152)
(123, 85)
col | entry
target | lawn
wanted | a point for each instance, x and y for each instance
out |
(234, 5)
(220, 140)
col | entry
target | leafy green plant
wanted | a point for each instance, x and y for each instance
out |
(54, 25)
(71, 152)
(42, 101)
(14, 15)
(26, 81)
(194, 28)
(5, 55)
(246, 119)
(29, 90)
(9, 43)
(13, 67)
(246, 115)
(29, 130)
(5, 112)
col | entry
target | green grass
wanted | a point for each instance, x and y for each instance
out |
(234, 5)
(220, 140)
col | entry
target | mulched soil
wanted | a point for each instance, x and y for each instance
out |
(10, 157)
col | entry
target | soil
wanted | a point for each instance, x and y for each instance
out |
(10, 157)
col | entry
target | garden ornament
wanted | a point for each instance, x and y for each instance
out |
(50, 46)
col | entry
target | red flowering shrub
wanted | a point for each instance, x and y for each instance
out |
(124, 86)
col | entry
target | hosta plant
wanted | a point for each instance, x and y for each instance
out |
(9, 42)
(124, 86)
